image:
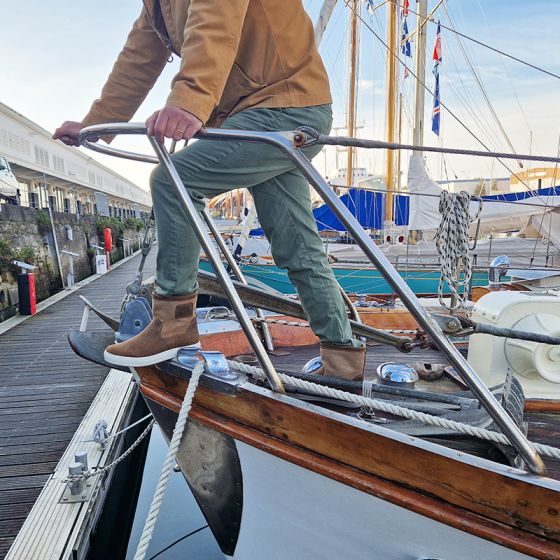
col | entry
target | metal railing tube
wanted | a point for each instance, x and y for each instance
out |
(214, 257)
(236, 271)
(467, 373)
(286, 142)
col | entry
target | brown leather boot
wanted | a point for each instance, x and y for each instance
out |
(346, 362)
(172, 328)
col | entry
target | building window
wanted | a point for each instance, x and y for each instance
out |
(52, 203)
(14, 142)
(66, 203)
(41, 156)
(58, 164)
(33, 200)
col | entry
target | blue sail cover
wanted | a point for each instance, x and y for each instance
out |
(369, 208)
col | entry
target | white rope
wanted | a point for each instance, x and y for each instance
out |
(395, 410)
(167, 468)
(452, 243)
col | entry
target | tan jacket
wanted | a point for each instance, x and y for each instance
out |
(235, 54)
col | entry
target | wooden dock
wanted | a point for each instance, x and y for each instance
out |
(45, 393)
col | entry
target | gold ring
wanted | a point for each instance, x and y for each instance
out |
(179, 130)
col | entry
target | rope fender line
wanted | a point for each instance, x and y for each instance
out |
(383, 406)
(312, 137)
(167, 467)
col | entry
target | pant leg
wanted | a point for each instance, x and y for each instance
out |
(209, 168)
(284, 207)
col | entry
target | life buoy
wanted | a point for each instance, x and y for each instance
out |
(108, 239)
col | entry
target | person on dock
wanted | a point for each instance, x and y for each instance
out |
(249, 65)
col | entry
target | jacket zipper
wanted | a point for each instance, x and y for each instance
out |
(164, 38)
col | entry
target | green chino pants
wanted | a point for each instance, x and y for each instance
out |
(283, 203)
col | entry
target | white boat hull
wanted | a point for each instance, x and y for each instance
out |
(290, 513)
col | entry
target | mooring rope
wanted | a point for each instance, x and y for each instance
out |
(384, 406)
(167, 468)
(452, 243)
(101, 470)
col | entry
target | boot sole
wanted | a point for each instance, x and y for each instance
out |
(145, 360)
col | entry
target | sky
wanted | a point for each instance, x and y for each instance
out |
(56, 56)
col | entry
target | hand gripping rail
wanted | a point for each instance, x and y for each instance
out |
(288, 143)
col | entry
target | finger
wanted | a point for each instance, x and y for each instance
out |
(160, 127)
(172, 125)
(180, 129)
(150, 122)
(191, 130)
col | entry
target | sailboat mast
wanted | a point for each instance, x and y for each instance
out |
(419, 92)
(354, 7)
(391, 102)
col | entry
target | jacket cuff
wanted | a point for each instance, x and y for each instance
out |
(195, 103)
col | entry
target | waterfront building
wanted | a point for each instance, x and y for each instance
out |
(51, 173)
(534, 179)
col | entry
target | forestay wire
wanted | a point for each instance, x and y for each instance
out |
(313, 137)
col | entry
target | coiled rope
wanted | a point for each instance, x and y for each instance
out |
(167, 468)
(395, 410)
(452, 243)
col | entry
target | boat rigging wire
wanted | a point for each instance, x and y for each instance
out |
(485, 45)
(544, 210)
(314, 137)
(529, 127)
(481, 86)
(423, 84)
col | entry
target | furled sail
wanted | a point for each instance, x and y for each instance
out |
(500, 213)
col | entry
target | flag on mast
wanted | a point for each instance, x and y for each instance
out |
(405, 38)
(437, 61)
(405, 7)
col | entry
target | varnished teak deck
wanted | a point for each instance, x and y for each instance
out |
(45, 391)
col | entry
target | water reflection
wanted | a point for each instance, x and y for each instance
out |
(179, 514)
(128, 502)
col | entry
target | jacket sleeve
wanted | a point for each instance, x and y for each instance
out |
(211, 40)
(137, 68)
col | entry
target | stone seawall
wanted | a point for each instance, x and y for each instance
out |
(27, 234)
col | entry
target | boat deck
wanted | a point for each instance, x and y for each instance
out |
(45, 392)
(542, 428)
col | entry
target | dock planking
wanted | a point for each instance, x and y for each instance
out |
(45, 391)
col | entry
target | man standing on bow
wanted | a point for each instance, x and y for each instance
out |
(249, 65)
